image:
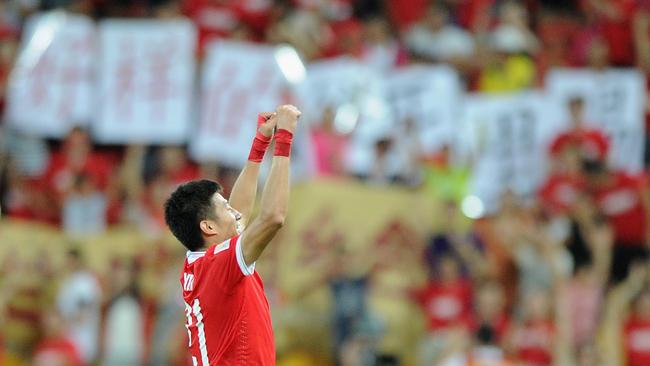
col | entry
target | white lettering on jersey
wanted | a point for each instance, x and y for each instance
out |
(196, 310)
(640, 340)
(203, 348)
(619, 202)
(221, 247)
(188, 282)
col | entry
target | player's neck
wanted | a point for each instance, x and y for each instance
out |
(213, 240)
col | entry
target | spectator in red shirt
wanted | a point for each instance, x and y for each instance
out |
(623, 199)
(149, 180)
(637, 331)
(591, 143)
(562, 188)
(532, 339)
(447, 300)
(490, 311)
(446, 303)
(76, 158)
(613, 19)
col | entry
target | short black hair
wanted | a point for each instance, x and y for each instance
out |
(187, 207)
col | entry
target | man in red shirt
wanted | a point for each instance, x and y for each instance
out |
(228, 318)
(591, 143)
(623, 199)
(637, 331)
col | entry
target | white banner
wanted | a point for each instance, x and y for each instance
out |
(50, 87)
(145, 85)
(340, 83)
(505, 136)
(614, 102)
(430, 97)
(239, 80)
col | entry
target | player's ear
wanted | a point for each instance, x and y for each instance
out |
(208, 227)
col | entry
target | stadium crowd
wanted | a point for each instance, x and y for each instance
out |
(562, 278)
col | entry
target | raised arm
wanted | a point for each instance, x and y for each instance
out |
(275, 197)
(242, 197)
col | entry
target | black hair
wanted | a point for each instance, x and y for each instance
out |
(593, 166)
(485, 334)
(187, 207)
(576, 100)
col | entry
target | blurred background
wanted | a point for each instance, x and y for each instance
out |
(469, 176)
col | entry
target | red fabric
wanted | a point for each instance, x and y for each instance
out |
(217, 19)
(559, 192)
(446, 305)
(59, 175)
(283, 140)
(342, 38)
(187, 173)
(621, 201)
(58, 351)
(617, 31)
(258, 149)
(592, 142)
(533, 343)
(469, 13)
(229, 320)
(637, 342)
(403, 13)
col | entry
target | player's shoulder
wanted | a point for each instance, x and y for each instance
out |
(225, 246)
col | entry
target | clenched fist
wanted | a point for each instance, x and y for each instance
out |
(266, 124)
(287, 117)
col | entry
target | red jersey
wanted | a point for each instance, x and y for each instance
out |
(622, 203)
(592, 143)
(228, 317)
(446, 305)
(637, 342)
(60, 174)
(560, 192)
(533, 343)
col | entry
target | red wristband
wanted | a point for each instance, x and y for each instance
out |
(258, 149)
(260, 143)
(283, 140)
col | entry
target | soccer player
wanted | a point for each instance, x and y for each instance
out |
(228, 319)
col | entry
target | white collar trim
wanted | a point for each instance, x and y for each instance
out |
(193, 256)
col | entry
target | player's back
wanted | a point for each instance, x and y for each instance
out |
(228, 318)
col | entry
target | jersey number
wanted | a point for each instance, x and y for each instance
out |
(195, 310)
